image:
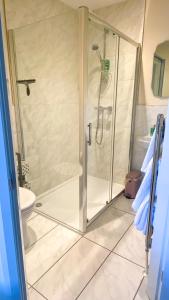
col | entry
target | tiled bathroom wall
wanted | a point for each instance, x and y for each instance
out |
(46, 39)
(146, 116)
(23, 12)
(155, 32)
(127, 16)
(47, 50)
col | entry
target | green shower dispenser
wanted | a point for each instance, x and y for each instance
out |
(106, 65)
(105, 68)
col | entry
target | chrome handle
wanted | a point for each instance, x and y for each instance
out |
(90, 135)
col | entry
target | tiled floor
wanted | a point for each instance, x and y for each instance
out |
(104, 264)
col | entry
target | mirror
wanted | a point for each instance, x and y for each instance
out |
(160, 76)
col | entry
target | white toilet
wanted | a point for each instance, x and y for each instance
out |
(27, 200)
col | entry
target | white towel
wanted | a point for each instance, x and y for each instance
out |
(149, 153)
(141, 218)
(144, 189)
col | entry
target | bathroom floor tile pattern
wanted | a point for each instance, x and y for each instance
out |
(106, 263)
(124, 204)
(47, 251)
(33, 295)
(141, 294)
(132, 247)
(117, 279)
(70, 275)
(108, 229)
(38, 227)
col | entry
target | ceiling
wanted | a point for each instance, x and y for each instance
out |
(92, 4)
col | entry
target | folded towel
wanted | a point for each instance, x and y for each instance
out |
(149, 153)
(141, 205)
(141, 219)
(144, 189)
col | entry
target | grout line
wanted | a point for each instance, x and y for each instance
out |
(34, 216)
(93, 276)
(130, 213)
(83, 236)
(38, 292)
(122, 237)
(59, 222)
(27, 250)
(138, 288)
(39, 213)
(96, 243)
(138, 265)
(67, 12)
(55, 263)
(113, 250)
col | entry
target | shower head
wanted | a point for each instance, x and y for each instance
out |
(95, 47)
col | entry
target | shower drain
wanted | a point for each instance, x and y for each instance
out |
(39, 204)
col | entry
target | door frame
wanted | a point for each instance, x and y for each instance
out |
(12, 275)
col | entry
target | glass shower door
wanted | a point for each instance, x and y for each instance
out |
(47, 51)
(124, 114)
(102, 67)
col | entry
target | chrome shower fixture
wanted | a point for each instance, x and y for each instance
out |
(26, 82)
(105, 63)
(95, 47)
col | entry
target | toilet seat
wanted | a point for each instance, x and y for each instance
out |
(27, 198)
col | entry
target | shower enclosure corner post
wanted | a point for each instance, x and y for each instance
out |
(135, 98)
(114, 115)
(83, 93)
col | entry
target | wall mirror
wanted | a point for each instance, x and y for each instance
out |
(160, 76)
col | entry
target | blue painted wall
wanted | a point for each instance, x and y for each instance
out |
(164, 286)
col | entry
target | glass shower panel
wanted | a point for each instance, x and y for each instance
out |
(124, 107)
(100, 113)
(47, 51)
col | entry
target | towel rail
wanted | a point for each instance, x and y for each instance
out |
(160, 128)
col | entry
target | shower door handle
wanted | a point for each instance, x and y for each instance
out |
(90, 134)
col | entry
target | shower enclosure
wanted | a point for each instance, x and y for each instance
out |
(74, 123)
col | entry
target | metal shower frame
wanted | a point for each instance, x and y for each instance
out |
(84, 16)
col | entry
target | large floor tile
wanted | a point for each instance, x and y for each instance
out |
(142, 295)
(109, 227)
(38, 227)
(47, 251)
(33, 295)
(69, 276)
(33, 214)
(117, 279)
(123, 204)
(132, 246)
